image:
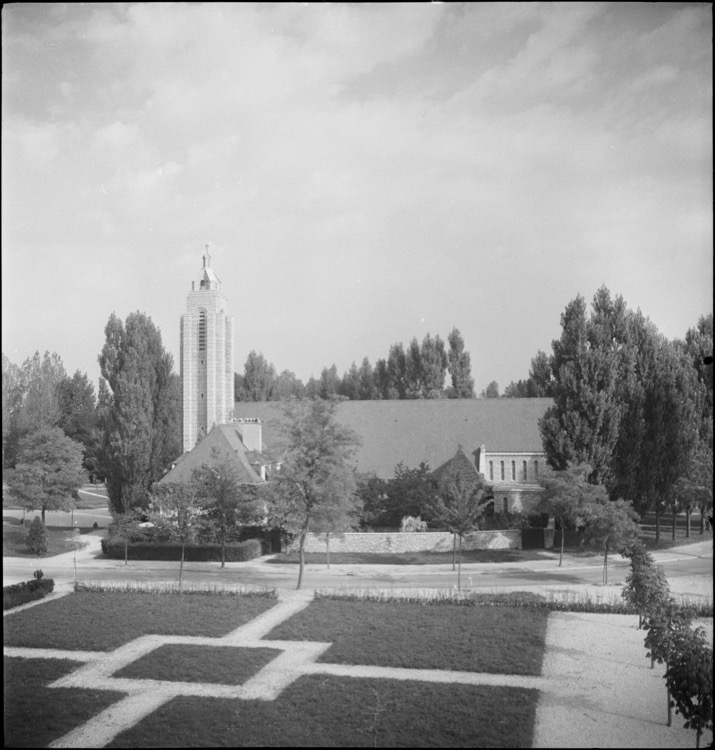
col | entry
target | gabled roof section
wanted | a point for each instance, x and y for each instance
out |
(423, 430)
(222, 443)
(458, 466)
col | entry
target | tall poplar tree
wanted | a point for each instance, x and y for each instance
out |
(460, 368)
(142, 417)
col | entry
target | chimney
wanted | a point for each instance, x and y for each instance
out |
(251, 433)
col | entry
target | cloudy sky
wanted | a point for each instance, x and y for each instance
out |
(363, 174)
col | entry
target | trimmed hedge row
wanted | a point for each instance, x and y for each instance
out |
(171, 551)
(27, 591)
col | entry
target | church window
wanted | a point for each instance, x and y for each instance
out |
(202, 331)
(536, 469)
(491, 471)
(513, 471)
(526, 471)
(505, 504)
(501, 466)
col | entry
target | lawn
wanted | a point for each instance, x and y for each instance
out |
(14, 534)
(502, 640)
(316, 710)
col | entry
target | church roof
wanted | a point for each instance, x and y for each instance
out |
(413, 431)
(223, 442)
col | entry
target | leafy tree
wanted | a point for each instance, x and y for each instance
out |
(397, 377)
(646, 588)
(288, 385)
(259, 379)
(340, 516)
(569, 497)
(79, 417)
(460, 368)
(613, 525)
(128, 524)
(461, 500)
(368, 390)
(689, 678)
(491, 391)
(41, 377)
(329, 385)
(176, 510)
(36, 539)
(316, 474)
(13, 389)
(372, 491)
(229, 503)
(539, 384)
(48, 473)
(664, 626)
(385, 502)
(141, 421)
(428, 369)
(350, 384)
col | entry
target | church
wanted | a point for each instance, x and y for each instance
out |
(500, 436)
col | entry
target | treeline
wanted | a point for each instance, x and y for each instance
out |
(418, 371)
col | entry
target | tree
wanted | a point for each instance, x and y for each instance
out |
(540, 377)
(36, 539)
(646, 588)
(386, 502)
(427, 367)
(48, 473)
(316, 474)
(613, 525)
(258, 381)
(350, 384)
(462, 499)
(397, 377)
(128, 524)
(368, 390)
(176, 509)
(329, 384)
(41, 377)
(288, 385)
(491, 391)
(229, 503)
(78, 415)
(689, 678)
(459, 367)
(569, 497)
(141, 421)
(12, 393)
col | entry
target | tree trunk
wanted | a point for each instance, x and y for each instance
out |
(702, 519)
(126, 549)
(43, 515)
(327, 549)
(674, 519)
(670, 710)
(687, 522)
(657, 524)
(459, 565)
(301, 555)
(223, 551)
(605, 565)
(181, 565)
(454, 551)
(563, 534)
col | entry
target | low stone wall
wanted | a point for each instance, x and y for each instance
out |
(387, 542)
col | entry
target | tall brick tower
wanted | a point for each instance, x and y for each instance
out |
(206, 357)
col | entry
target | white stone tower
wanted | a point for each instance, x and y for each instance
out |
(206, 357)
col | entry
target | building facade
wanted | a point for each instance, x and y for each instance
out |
(207, 365)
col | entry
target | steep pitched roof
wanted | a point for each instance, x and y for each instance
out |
(226, 440)
(459, 465)
(423, 430)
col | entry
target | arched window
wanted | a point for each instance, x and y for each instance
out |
(536, 469)
(513, 471)
(202, 330)
(501, 464)
(524, 467)
(491, 471)
(505, 504)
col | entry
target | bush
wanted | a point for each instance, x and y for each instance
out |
(171, 551)
(27, 591)
(36, 539)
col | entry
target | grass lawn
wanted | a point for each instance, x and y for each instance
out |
(503, 640)
(35, 715)
(102, 621)
(326, 711)
(410, 558)
(14, 535)
(223, 665)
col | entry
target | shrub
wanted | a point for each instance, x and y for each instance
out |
(413, 524)
(235, 551)
(27, 591)
(36, 539)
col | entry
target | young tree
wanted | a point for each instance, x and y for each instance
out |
(689, 678)
(491, 391)
(36, 539)
(460, 367)
(48, 473)
(368, 390)
(613, 525)
(229, 503)
(175, 509)
(646, 588)
(462, 499)
(569, 497)
(142, 432)
(316, 474)
(128, 524)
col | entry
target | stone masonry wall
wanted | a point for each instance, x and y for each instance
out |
(410, 542)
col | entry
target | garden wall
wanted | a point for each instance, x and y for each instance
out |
(387, 542)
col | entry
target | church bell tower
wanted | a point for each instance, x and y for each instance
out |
(206, 357)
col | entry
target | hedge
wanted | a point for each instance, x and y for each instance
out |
(171, 551)
(27, 591)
